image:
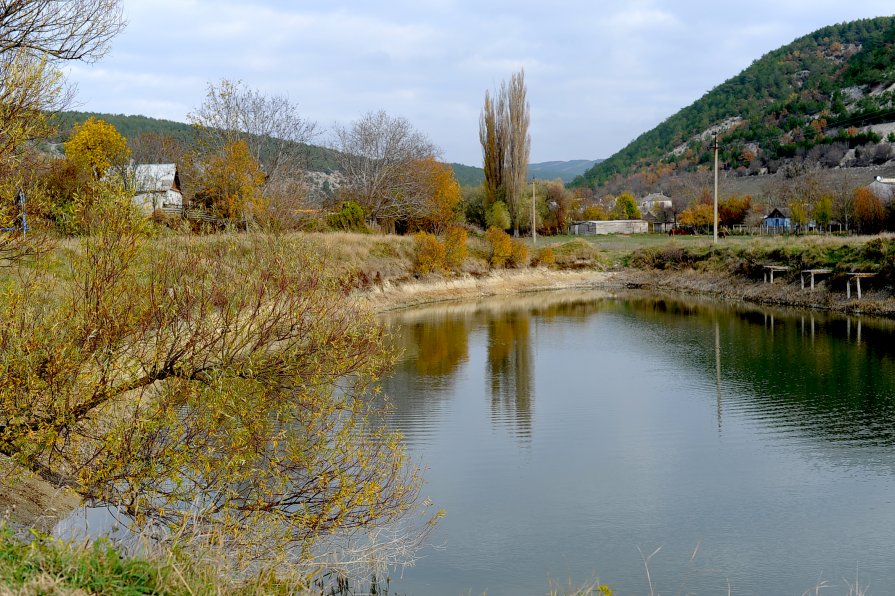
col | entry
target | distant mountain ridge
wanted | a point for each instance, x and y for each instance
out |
(321, 159)
(825, 98)
(565, 170)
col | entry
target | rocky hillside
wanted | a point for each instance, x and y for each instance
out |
(825, 100)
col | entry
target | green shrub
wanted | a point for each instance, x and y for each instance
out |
(498, 216)
(350, 218)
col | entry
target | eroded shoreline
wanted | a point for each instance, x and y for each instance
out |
(719, 286)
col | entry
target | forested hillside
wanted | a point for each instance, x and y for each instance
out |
(822, 99)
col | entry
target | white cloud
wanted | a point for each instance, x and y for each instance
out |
(598, 74)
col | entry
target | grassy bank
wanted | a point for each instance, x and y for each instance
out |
(732, 270)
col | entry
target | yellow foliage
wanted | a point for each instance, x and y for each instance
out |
(518, 254)
(216, 389)
(232, 181)
(699, 215)
(501, 246)
(455, 247)
(546, 257)
(96, 146)
(430, 253)
(442, 194)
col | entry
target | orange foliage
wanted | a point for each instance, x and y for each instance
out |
(455, 247)
(439, 193)
(868, 210)
(233, 180)
(430, 253)
(501, 246)
(699, 215)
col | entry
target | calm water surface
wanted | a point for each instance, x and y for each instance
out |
(563, 432)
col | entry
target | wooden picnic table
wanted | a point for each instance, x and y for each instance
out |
(772, 269)
(813, 273)
(857, 277)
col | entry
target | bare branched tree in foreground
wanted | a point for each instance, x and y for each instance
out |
(60, 29)
(35, 35)
(219, 388)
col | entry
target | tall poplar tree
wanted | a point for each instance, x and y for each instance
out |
(506, 144)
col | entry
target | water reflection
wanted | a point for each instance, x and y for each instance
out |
(510, 370)
(833, 377)
(763, 434)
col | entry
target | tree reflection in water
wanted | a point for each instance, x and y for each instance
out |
(510, 370)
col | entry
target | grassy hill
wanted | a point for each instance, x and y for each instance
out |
(564, 170)
(817, 98)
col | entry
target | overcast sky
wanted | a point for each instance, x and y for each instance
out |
(598, 73)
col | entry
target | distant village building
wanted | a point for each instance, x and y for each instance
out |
(778, 221)
(884, 192)
(655, 202)
(157, 187)
(615, 226)
(660, 220)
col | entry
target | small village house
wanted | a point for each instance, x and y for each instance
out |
(655, 202)
(156, 187)
(778, 221)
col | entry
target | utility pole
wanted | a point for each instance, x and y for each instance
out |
(534, 232)
(715, 148)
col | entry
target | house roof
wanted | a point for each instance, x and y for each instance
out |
(156, 177)
(883, 191)
(783, 212)
(656, 196)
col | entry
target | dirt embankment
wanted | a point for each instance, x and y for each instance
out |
(28, 501)
(393, 295)
(721, 286)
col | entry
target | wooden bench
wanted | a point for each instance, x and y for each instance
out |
(857, 277)
(812, 273)
(772, 269)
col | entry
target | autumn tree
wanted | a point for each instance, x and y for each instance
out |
(217, 390)
(560, 204)
(506, 145)
(519, 146)
(492, 136)
(35, 37)
(594, 212)
(96, 146)
(377, 154)
(438, 193)
(700, 215)
(823, 211)
(733, 210)
(869, 212)
(275, 135)
(232, 182)
(625, 207)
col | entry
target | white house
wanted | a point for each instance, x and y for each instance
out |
(655, 202)
(157, 186)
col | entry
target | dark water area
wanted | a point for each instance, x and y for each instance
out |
(566, 434)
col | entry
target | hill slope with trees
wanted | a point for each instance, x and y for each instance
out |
(825, 99)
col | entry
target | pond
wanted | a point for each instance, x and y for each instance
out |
(570, 435)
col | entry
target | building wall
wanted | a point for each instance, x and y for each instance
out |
(620, 226)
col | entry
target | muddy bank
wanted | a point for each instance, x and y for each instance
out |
(392, 295)
(720, 286)
(28, 501)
